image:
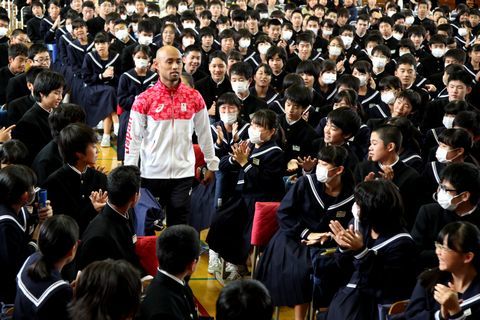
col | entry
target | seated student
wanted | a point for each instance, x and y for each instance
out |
(18, 107)
(277, 60)
(17, 36)
(441, 82)
(16, 191)
(168, 296)
(215, 84)
(309, 72)
(131, 84)
(385, 26)
(101, 70)
(107, 289)
(384, 162)
(33, 129)
(244, 299)
(456, 200)
(97, 23)
(389, 87)
(17, 56)
(262, 88)
(304, 214)
(192, 59)
(382, 66)
(366, 95)
(450, 291)
(259, 165)
(38, 56)
(13, 152)
(454, 145)
(377, 249)
(50, 24)
(410, 151)
(327, 76)
(304, 43)
(64, 37)
(111, 233)
(76, 188)
(122, 38)
(459, 85)
(48, 160)
(41, 291)
(470, 121)
(433, 62)
(33, 24)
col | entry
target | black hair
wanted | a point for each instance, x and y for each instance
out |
(456, 106)
(305, 37)
(32, 74)
(146, 26)
(265, 118)
(244, 299)
(17, 49)
(464, 177)
(389, 82)
(412, 97)
(416, 30)
(35, 49)
(275, 50)
(348, 81)
(468, 120)
(462, 76)
(349, 95)
(345, 119)
(235, 55)
(390, 134)
(88, 4)
(123, 183)
(463, 237)
(229, 98)
(217, 54)
(266, 69)
(241, 69)
(292, 79)
(299, 94)
(78, 23)
(107, 289)
(63, 115)
(14, 152)
(177, 247)
(456, 138)
(74, 138)
(363, 66)
(408, 59)
(457, 54)
(142, 48)
(46, 82)
(58, 235)
(406, 43)
(15, 180)
(381, 205)
(101, 37)
(383, 49)
(308, 67)
(336, 155)
(226, 34)
(438, 39)
(239, 15)
(410, 135)
(206, 31)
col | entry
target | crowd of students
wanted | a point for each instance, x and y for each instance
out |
(363, 121)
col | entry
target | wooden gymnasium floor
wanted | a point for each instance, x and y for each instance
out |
(204, 285)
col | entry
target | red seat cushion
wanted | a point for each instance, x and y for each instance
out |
(264, 222)
(147, 253)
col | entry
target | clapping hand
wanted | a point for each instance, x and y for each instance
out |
(240, 152)
(346, 238)
(317, 238)
(99, 199)
(447, 297)
(307, 163)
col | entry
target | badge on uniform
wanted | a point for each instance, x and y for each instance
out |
(295, 148)
(341, 214)
(256, 161)
(134, 238)
(183, 107)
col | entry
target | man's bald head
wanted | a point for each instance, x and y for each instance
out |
(168, 51)
(169, 65)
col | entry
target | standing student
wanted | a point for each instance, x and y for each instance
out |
(41, 291)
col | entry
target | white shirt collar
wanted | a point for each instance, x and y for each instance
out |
(391, 165)
(123, 215)
(76, 170)
(468, 212)
(171, 276)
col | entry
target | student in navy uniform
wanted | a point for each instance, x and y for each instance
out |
(131, 84)
(97, 24)
(389, 87)
(305, 51)
(192, 59)
(168, 296)
(304, 214)
(122, 39)
(366, 95)
(50, 24)
(145, 33)
(378, 250)
(33, 24)
(456, 200)
(384, 162)
(33, 129)
(13, 152)
(17, 56)
(450, 291)
(277, 60)
(101, 72)
(48, 160)
(111, 234)
(16, 190)
(262, 84)
(41, 291)
(260, 166)
(76, 189)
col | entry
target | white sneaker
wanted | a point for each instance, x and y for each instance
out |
(100, 125)
(235, 272)
(105, 143)
(214, 263)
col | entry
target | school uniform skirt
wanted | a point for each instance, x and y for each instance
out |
(202, 206)
(285, 268)
(100, 101)
(122, 134)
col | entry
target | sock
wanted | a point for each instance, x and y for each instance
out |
(116, 126)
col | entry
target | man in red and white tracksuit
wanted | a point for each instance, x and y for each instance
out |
(162, 121)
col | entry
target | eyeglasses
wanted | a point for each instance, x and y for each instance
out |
(439, 246)
(444, 188)
(42, 60)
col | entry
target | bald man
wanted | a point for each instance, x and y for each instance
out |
(160, 129)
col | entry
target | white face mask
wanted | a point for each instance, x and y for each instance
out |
(378, 62)
(327, 32)
(229, 117)
(369, 51)
(388, 97)
(3, 31)
(363, 80)
(398, 36)
(334, 51)
(390, 13)
(189, 26)
(240, 86)
(314, 30)
(448, 122)
(409, 20)
(187, 42)
(121, 34)
(401, 53)
(131, 10)
(182, 8)
(141, 63)
(263, 48)
(123, 16)
(444, 199)
(329, 78)
(441, 155)
(69, 28)
(287, 35)
(462, 32)
(134, 27)
(244, 43)
(264, 15)
(322, 174)
(254, 135)
(145, 40)
(347, 41)
(438, 52)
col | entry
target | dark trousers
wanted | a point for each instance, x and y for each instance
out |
(174, 196)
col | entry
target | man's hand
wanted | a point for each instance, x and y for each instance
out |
(6, 133)
(212, 112)
(219, 135)
(209, 177)
(99, 199)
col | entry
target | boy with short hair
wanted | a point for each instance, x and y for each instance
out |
(17, 57)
